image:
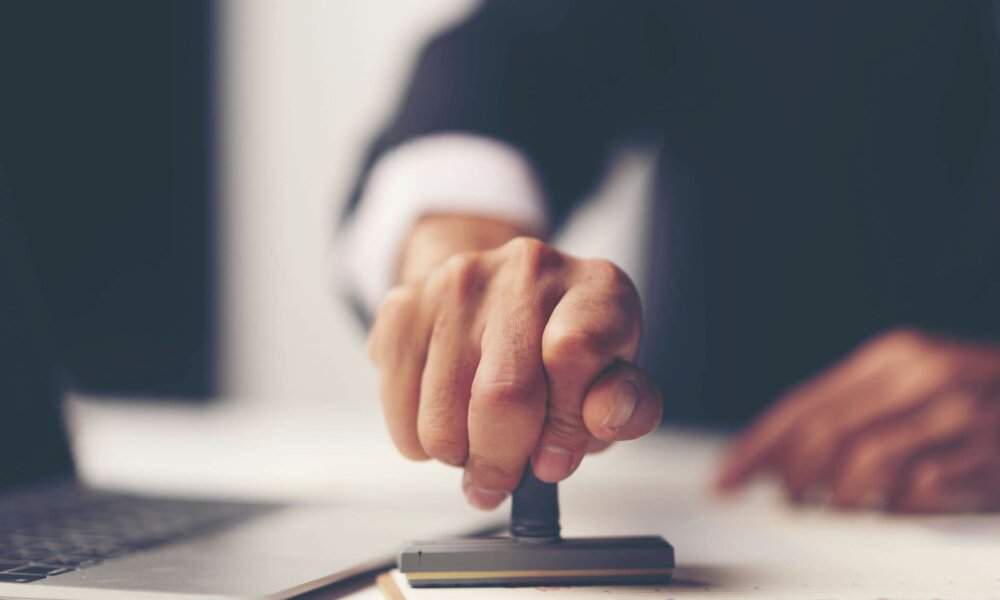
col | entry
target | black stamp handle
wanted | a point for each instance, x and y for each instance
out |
(534, 514)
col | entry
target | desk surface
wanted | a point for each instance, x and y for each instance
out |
(754, 546)
(749, 546)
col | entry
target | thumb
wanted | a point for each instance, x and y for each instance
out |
(622, 404)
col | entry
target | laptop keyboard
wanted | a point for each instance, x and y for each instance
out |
(54, 530)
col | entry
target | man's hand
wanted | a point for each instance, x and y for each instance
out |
(519, 352)
(909, 422)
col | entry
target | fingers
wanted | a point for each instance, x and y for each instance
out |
(442, 422)
(808, 426)
(873, 470)
(399, 340)
(509, 391)
(823, 438)
(966, 479)
(810, 449)
(757, 448)
(623, 404)
(908, 422)
(513, 353)
(596, 322)
(506, 410)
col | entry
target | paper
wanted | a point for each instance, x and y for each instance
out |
(756, 546)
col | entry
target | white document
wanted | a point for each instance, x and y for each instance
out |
(754, 545)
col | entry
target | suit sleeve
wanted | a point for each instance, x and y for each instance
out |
(557, 80)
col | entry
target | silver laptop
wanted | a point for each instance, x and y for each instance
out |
(60, 540)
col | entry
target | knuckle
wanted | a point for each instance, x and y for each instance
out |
(396, 305)
(397, 299)
(390, 322)
(607, 275)
(573, 343)
(505, 396)
(617, 296)
(461, 274)
(596, 328)
(531, 254)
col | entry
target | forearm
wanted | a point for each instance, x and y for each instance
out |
(473, 180)
(435, 238)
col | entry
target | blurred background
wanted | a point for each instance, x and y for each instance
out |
(180, 168)
(305, 85)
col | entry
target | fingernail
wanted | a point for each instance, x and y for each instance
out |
(483, 498)
(622, 406)
(551, 463)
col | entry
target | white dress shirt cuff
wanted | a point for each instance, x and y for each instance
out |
(451, 173)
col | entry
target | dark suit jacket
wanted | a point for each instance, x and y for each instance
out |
(830, 169)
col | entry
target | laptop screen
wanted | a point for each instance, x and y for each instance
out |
(32, 441)
(106, 135)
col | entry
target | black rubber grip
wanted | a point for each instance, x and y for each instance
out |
(534, 514)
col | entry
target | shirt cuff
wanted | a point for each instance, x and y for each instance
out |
(453, 173)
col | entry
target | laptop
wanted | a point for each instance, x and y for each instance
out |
(59, 539)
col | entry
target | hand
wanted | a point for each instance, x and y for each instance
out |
(908, 422)
(516, 352)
